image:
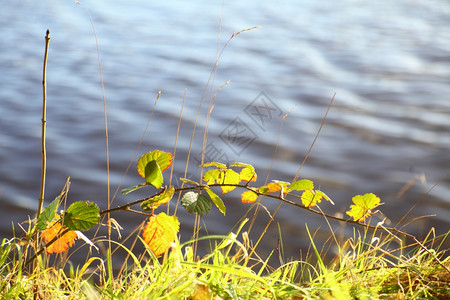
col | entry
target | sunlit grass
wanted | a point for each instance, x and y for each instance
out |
(367, 266)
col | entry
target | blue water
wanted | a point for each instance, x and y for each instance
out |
(387, 61)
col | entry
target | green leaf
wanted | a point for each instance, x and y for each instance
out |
(164, 160)
(132, 188)
(363, 206)
(203, 205)
(302, 185)
(154, 202)
(153, 174)
(263, 189)
(48, 214)
(216, 200)
(81, 215)
(194, 202)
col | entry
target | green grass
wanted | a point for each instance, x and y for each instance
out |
(367, 267)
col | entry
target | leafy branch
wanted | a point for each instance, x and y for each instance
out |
(161, 230)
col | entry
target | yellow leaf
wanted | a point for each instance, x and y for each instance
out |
(222, 176)
(160, 231)
(363, 206)
(310, 198)
(229, 177)
(63, 242)
(247, 173)
(211, 176)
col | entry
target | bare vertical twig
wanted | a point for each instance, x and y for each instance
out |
(44, 113)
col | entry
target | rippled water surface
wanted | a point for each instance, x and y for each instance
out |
(387, 61)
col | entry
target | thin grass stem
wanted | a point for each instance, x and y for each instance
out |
(315, 138)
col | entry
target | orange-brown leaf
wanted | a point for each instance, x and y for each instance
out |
(62, 243)
(248, 197)
(273, 187)
(160, 231)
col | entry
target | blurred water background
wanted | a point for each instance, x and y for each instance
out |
(387, 61)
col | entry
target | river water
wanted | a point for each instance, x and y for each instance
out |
(387, 61)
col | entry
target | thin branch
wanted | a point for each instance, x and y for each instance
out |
(246, 187)
(44, 121)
